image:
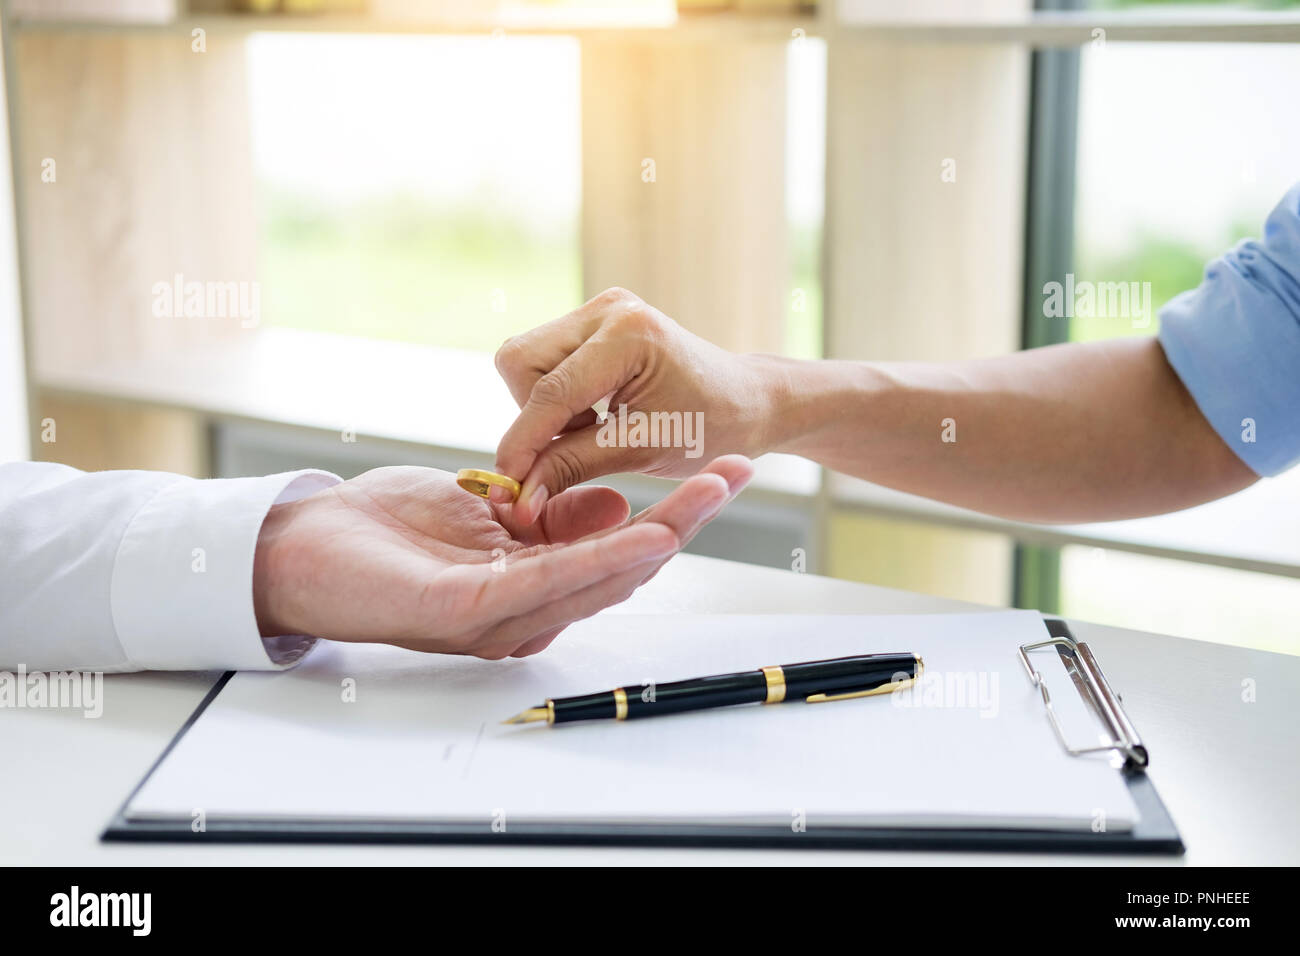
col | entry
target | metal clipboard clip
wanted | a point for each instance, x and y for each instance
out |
(1096, 690)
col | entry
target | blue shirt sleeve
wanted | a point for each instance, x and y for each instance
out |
(1235, 343)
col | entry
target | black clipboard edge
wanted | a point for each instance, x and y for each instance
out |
(1155, 832)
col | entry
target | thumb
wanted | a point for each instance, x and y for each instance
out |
(599, 367)
(569, 460)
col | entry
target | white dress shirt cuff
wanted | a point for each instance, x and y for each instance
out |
(182, 590)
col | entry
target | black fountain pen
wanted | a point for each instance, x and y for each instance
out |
(841, 678)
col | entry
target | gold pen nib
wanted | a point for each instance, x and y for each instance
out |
(529, 716)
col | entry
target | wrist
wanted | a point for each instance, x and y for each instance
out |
(807, 402)
(771, 393)
(269, 579)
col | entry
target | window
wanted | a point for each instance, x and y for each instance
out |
(419, 188)
(1201, 601)
(430, 192)
(1176, 163)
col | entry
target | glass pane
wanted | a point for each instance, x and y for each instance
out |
(1183, 151)
(420, 188)
(1209, 603)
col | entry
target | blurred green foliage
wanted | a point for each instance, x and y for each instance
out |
(464, 278)
(1171, 266)
(401, 269)
(803, 331)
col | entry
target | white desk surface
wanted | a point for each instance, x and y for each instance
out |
(1228, 771)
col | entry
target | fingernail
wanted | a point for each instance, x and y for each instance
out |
(537, 502)
(500, 495)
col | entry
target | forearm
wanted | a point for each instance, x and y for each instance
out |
(132, 570)
(1068, 433)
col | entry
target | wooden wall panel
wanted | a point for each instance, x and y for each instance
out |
(153, 173)
(95, 435)
(917, 267)
(707, 240)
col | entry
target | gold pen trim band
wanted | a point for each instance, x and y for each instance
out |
(620, 704)
(775, 678)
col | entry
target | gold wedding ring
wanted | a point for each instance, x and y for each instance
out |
(479, 482)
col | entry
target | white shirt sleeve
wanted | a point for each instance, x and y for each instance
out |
(133, 570)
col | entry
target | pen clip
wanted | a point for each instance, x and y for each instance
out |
(851, 695)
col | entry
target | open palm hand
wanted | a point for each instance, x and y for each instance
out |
(404, 556)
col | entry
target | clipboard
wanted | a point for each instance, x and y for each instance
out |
(1153, 832)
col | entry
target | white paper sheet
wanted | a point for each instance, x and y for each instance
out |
(423, 738)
